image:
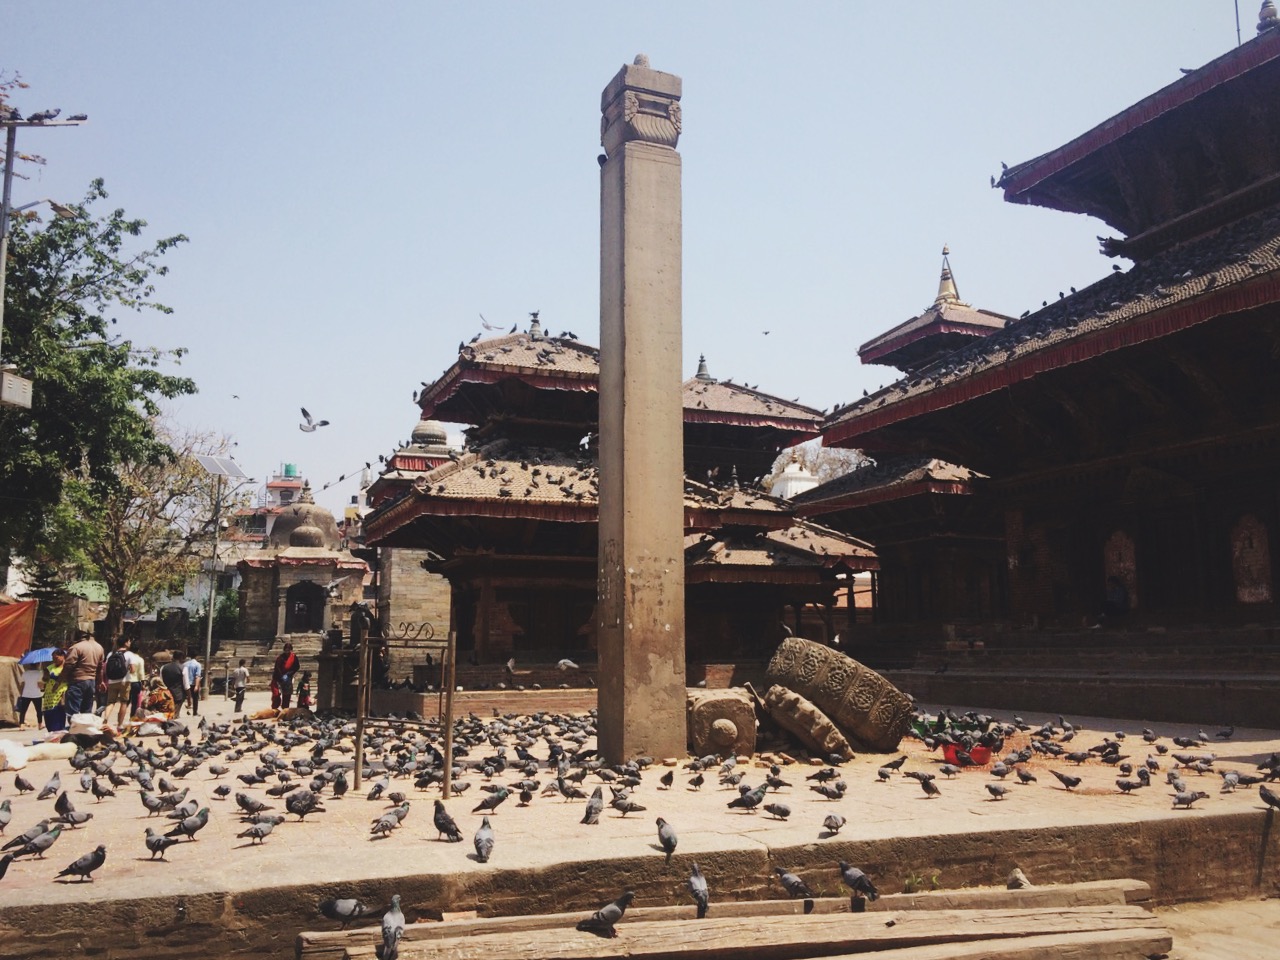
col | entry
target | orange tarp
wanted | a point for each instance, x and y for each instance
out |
(17, 621)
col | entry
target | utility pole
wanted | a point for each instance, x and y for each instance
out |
(15, 391)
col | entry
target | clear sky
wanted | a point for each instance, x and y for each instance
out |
(361, 181)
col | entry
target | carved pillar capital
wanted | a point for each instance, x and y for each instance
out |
(640, 104)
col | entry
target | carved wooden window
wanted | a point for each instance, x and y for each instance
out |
(1251, 560)
(1119, 561)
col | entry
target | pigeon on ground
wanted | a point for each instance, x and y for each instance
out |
(1066, 780)
(4, 864)
(191, 825)
(258, 832)
(343, 910)
(39, 845)
(159, 843)
(1188, 798)
(51, 788)
(24, 838)
(603, 920)
(833, 823)
(491, 803)
(63, 804)
(445, 825)
(1025, 777)
(779, 811)
(793, 884)
(698, 890)
(311, 425)
(84, 867)
(667, 838)
(100, 791)
(667, 779)
(302, 802)
(751, 799)
(6, 814)
(997, 790)
(930, 789)
(21, 784)
(858, 882)
(830, 791)
(695, 783)
(1269, 797)
(484, 840)
(392, 930)
(625, 805)
(75, 818)
(594, 807)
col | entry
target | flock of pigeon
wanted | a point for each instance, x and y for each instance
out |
(265, 772)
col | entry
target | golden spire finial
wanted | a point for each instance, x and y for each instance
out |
(947, 292)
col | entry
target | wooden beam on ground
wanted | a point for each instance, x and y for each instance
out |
(331, 944)
(788, 937)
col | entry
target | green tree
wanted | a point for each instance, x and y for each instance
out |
(95, 394)
(146, 535)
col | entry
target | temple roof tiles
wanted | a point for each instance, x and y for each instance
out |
(804, 544)
(889, 472)
(1177, 288)
(708, 400)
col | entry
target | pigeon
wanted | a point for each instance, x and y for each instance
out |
(484, 840)
(21, 784)
(830, 791)
(45, 115)
(191, 825)
(84, 867)
(445, 825)
(63, 805)
(100, 791)
(250, 804)
(258, 832)
(625, 805)
(697, 890)
(302, 802)
(594, 807)
(858, 882)
(311, 425)
(997, 790)
(695, 783)
(750, 799)
(1066, 780)
(39, 845)
(491, 803)
(566, 664)
(343, 910)
(603, 920)
(779, 811)
(1269, 797)
(668, 779)
(930, 789)
(793, 884)
(6, 814)
(24, 838)
(1017, 880)
(4, 864)
(1025, 777)
(833, 823)
(159, 843)
(392, 930)
(1187, 798)
(667, 838)
(74, 818)
(51, 788)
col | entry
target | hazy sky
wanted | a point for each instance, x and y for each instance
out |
(360, 181)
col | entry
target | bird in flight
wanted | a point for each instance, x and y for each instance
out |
(311, 425)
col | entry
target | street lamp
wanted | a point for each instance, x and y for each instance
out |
(220, 467)
(15, 391)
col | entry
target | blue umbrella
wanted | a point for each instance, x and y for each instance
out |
(43, 655)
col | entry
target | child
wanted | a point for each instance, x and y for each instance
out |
(304, 690)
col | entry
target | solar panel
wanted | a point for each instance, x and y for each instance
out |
(221, 466)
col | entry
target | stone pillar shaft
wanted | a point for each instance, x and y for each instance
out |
(641, 562)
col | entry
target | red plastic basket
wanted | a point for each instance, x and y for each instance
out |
(980, 754)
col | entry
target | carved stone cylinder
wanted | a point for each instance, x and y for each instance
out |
(721, 721)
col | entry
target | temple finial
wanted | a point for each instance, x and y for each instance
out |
(947, 292)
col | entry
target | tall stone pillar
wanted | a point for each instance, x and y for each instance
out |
(641, 561)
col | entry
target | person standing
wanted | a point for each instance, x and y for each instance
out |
(171, 675)
(137, 675)
(81, 670)
(116, 673)
(240, 683)
(282, 673)
(192, 676)
(55, 692)
(32, 681)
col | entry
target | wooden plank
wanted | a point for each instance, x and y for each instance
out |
(1099, 945)
(777, 938)
(329, 944)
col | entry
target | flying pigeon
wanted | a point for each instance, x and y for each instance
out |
(602, 921)
(311, 425)
(698, 890)
(84, 867)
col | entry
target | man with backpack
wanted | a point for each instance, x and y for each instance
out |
(115, 671)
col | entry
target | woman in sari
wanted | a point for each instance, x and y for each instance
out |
(53, 697)
(159, 700)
